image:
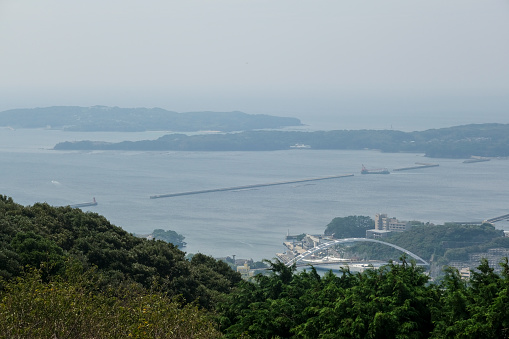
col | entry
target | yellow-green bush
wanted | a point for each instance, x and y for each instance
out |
(31, 308)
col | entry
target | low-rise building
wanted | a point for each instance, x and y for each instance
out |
(377, 234)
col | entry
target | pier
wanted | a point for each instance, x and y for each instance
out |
(235, 188)
(419, 165)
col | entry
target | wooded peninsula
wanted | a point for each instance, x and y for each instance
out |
(482, 140)
(118, 119)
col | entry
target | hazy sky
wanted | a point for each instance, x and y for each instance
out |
(320, 59)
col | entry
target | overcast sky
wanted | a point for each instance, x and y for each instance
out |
(310, 59)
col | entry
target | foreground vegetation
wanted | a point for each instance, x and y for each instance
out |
(78, 305)
(33, 235)
(395, 301)
(66, 273)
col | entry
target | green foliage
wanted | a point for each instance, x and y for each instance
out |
(73, 308)
(169, 236)
(474, 310)
(394, 301)
(349, 227)
(453, 241)
(40, 233)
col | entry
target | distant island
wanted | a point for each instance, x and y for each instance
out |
(117, 119)
(480, 140)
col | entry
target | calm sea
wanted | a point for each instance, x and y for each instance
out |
(248, 223)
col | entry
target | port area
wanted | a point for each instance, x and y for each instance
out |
(329, 259)
(296, 247)
(418, 165)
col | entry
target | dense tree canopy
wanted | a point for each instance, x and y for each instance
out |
(349, 227)
(41, 233)
(395, 301)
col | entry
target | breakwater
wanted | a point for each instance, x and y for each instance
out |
(496, 219)
(418, 165)
(169, 195)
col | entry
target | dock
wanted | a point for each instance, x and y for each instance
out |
(418, 166)
(235, 188)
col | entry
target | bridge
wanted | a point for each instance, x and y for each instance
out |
(326, 245)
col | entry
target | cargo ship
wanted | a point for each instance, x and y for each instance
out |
(364, 170)
(85, 204)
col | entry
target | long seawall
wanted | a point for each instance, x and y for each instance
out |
(418, 165)
(169, 195)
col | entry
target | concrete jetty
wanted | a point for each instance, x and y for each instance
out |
(169, 195)
(496, 219)
(418, 165)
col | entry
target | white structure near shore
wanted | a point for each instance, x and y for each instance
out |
(385, 225)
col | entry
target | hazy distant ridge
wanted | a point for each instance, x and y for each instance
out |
(102, 118)
(487, 140)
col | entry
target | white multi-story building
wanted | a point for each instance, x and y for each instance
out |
(383, 223)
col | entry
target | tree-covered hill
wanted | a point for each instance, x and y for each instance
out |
(487, 140)
(42, 234)
(353, 226)
(102, 118)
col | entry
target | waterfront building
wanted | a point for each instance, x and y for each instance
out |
(382, 222)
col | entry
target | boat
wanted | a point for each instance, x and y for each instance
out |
(300, 146)
(475, 159)
(364, 170)
(85, 204)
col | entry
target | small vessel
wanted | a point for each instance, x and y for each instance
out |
(364, 170)
(300, 146)
(475, 159)
(85, 204)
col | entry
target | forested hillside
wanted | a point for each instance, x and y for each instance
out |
(38, 234)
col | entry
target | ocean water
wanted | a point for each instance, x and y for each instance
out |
(247, 223)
